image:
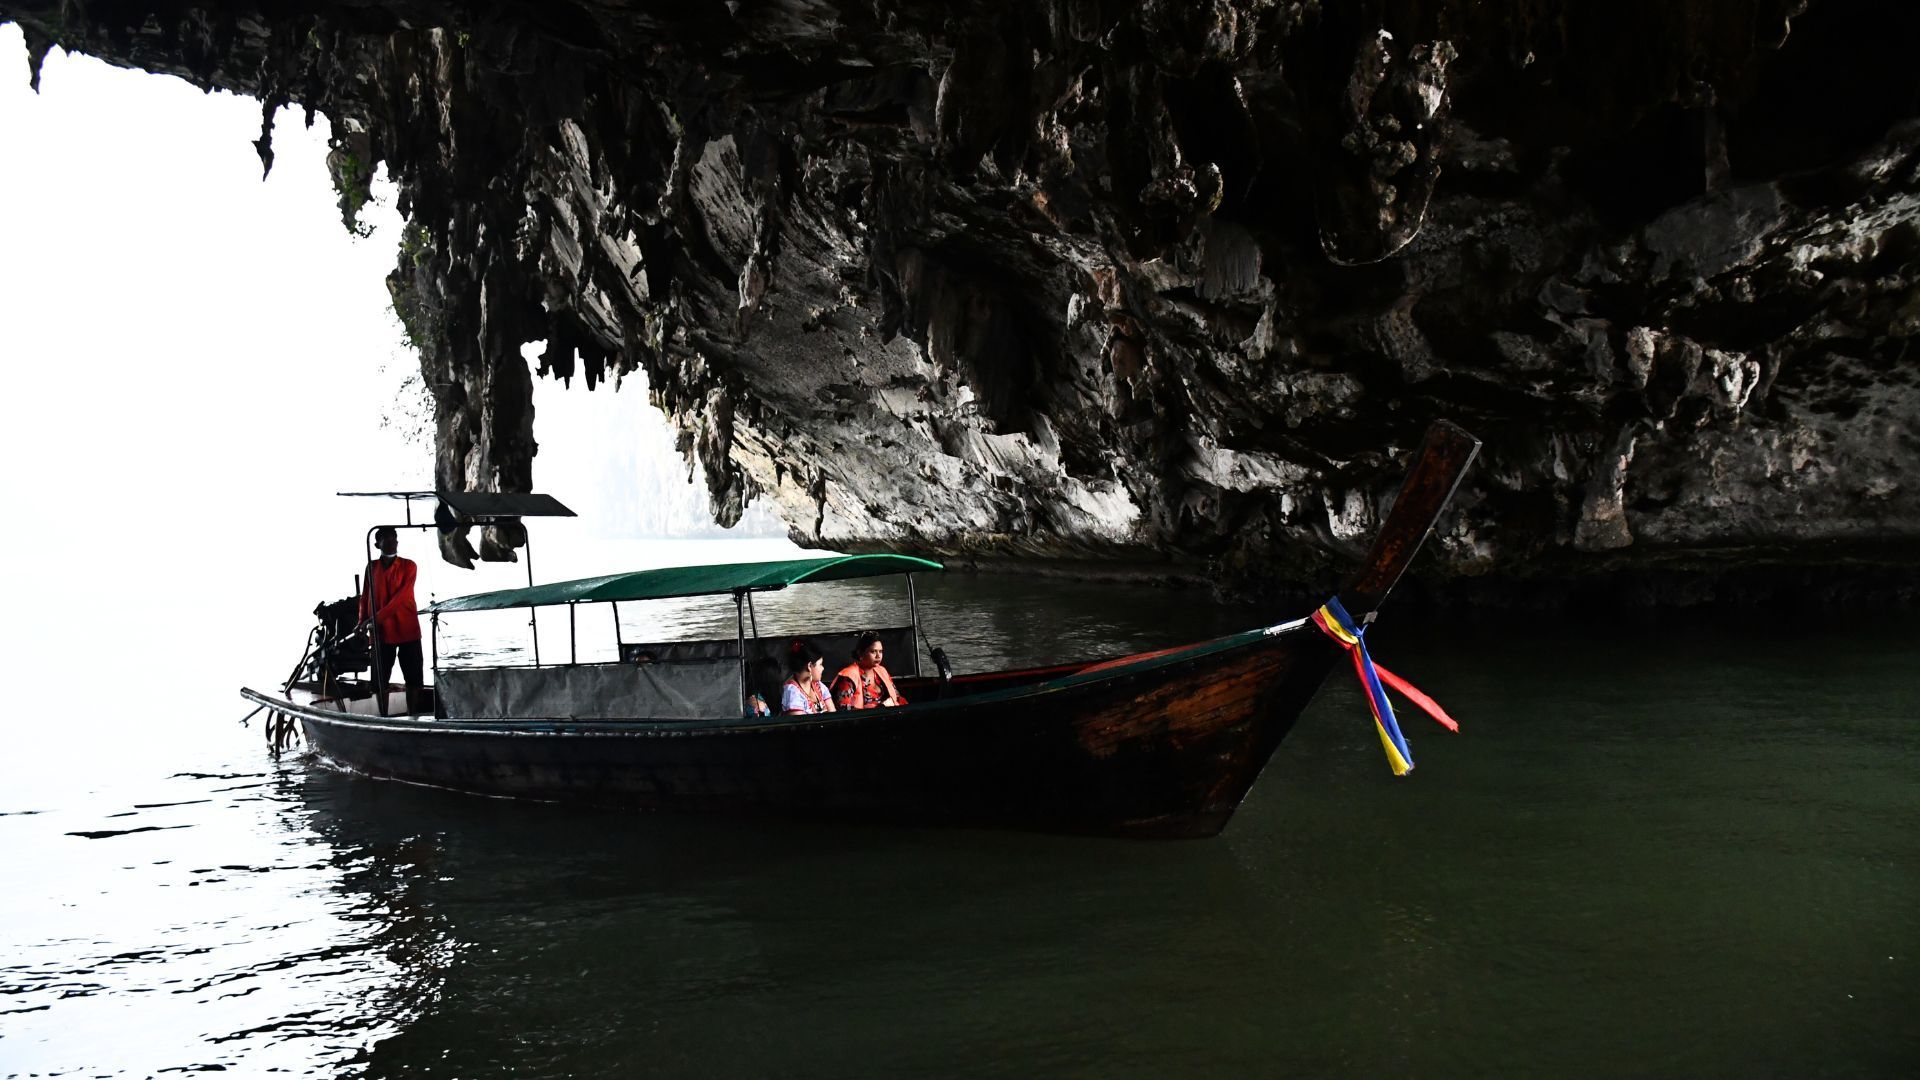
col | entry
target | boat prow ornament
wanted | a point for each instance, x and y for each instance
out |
(1158, 744)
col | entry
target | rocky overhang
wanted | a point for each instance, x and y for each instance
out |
(1172, 285)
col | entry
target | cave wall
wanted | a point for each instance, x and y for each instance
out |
(1166, 282)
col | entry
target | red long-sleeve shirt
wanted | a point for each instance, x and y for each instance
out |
(389, 595)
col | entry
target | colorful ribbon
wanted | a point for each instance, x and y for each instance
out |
(1333, 620)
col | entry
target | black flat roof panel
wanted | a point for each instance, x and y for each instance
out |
(493, 504)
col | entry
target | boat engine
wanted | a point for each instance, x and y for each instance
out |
(336, 647)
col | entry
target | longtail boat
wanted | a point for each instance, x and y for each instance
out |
(1158, 744)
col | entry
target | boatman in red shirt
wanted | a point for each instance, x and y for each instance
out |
(386, 601)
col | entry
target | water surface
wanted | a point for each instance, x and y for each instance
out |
(1673, 850)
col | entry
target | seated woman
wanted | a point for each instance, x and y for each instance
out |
(865, 684)
(803, 692)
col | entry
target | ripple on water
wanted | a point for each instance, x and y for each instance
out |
(117, 962)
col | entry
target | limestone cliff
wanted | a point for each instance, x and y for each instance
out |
(1172, 281)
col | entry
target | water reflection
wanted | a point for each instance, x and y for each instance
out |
(602, 944)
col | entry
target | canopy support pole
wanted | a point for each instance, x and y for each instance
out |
(573, 635)
(367, 601)
(619, 643)
(533, 613)
(913, 616)
(740, 601)
(751, 617)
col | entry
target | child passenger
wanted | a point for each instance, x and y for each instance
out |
(766, 675)
(803, 692)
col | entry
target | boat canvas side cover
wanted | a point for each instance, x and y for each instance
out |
(675, 581)
(680, 691)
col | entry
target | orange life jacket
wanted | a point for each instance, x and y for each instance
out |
(861, 685)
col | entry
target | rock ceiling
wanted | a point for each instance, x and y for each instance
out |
(1176, 283)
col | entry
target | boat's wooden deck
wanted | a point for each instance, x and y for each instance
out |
(305, 694)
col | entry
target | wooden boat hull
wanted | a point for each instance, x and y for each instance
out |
(1165, 752)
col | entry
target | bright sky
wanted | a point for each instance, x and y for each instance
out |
(195, 361)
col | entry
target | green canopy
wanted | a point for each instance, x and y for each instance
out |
(690, 581)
